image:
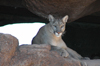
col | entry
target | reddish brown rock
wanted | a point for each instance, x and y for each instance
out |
(31, 55)
(75, 9)
(59, 8)
(8, 45)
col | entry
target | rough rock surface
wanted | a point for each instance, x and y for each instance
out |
(75, 9)
(32, 55)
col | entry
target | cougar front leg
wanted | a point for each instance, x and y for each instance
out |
(73, 53)
(62, 52)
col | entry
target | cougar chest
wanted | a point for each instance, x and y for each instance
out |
(55, 42)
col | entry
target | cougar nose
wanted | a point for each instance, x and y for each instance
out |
(58, 32)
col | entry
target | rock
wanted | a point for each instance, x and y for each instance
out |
(8, 45)
(75, 9)
(30, 55)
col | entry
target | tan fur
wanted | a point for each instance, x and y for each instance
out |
(50, 34)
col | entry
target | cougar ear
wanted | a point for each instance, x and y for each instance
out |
(65, 18)
(51, 18)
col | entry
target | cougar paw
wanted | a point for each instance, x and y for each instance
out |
(84, 64)
(64, 53)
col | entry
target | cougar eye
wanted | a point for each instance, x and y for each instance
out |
(62, 26)
(54, 26)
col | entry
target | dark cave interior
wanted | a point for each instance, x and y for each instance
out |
(81, 35)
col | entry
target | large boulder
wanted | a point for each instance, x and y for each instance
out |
(59, 8)
(33, 55)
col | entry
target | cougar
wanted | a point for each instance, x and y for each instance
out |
(52, 33)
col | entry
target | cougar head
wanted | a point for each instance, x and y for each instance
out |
(57, 25)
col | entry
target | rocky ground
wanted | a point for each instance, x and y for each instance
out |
(11, 54)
